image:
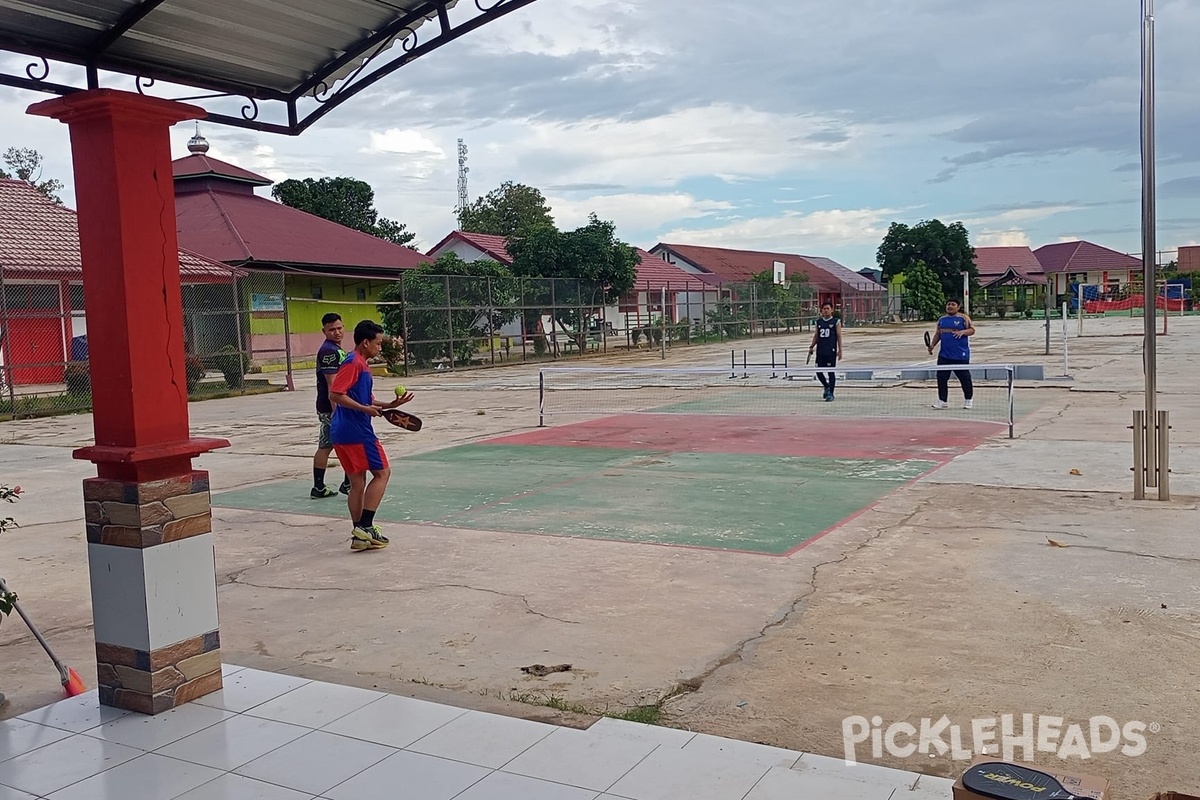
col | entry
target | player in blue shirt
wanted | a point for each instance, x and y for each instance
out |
(953, 330)
(827, 342)
(353, 435)
(329, 358)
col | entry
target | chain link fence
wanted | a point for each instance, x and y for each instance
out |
(230, 346)
(252, 333)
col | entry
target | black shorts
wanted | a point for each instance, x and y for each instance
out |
(826, 359)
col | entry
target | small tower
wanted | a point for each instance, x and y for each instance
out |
(198, 144)
(462, 181)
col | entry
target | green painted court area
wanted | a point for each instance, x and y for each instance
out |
(731, 501)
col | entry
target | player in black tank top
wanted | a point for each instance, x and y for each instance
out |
(827, 343)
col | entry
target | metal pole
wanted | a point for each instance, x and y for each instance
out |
(1066, 340)
(1046, 303)
(663, 317)
(404, 323)
(1079, 310)
(541, 398)
(1149, 278)
(1012, 416)
(1139, 455)
(966, 276)
(1164, 473)
(287, 335)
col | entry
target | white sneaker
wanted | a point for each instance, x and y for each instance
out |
(941, 404)
(966, 403)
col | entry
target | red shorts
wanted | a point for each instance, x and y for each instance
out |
(365, 457)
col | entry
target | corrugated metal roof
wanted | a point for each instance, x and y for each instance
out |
(266, 49)
(40, 239)
(655, 273)
(733, 266)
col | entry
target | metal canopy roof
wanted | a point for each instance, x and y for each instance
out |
(308, 56)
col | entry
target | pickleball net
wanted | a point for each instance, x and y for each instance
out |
(866, 392)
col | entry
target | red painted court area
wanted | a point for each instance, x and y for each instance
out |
(901, 439)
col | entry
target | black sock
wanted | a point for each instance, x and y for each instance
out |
(367, 520)
(318, 478)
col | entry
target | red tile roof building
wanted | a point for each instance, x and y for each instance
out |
(39, 239)
(1008, 265)
(218, 214)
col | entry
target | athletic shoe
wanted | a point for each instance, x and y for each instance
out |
(941, 404)
(366, 539)
(966, 403)
(324, 491)
(377, 534)
(345, 487)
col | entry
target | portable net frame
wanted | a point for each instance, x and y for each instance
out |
(862, 392)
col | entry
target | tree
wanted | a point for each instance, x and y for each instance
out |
(509, 210)
(449, 306)
(26, 165)
(779, 304)
(589, 266)
(924, 291)
(946, 251)
(346, 201)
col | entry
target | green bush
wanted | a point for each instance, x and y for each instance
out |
(194, 368)
(231, 363)
(78, 379)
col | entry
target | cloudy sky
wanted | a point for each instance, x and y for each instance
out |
(803, 126)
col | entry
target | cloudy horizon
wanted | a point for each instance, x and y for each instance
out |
(805, 127)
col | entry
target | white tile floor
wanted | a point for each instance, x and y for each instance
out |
(275, 737)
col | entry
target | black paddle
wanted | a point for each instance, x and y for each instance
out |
(1005, 781)
(928, 342)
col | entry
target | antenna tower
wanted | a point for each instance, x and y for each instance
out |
(463, 169)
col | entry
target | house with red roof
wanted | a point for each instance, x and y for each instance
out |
(1068, 264)
(43, 321)
(685, 294)
(847, 290)
(1011, 276)
(302, 266)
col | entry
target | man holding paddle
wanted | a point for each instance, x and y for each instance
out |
(952, 332)
(353, 435)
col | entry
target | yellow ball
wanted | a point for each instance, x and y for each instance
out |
(400, 390)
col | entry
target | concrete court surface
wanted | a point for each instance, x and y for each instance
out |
(944, 598)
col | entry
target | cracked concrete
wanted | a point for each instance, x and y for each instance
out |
(945, 597)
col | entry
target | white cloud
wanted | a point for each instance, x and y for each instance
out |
(632, 210)
(1012, 238)
(402, 142)
(794, 232)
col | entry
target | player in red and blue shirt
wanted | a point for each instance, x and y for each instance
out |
(353, 435)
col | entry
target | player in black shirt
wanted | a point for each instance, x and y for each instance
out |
(827, 342)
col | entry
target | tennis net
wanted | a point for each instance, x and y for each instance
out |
(869, 392)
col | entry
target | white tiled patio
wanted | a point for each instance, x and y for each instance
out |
(267, 736)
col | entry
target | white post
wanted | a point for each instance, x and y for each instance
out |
(1079, 311)
(663, 331)
(1066, 338)
(966, 276)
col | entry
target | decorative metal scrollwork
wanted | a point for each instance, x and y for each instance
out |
(250, 110)
(486, 8)
(143, 84)
(33, 65)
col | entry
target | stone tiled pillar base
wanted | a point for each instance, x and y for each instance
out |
(154, 599)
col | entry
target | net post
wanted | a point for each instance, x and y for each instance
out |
(287, 337)
(541, 398)
(1066, 339)
(1079, 312)
(663, 317)
(1012, 415)
(1139, 455)
(1164, 428)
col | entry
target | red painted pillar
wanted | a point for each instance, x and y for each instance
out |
(150, 545)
